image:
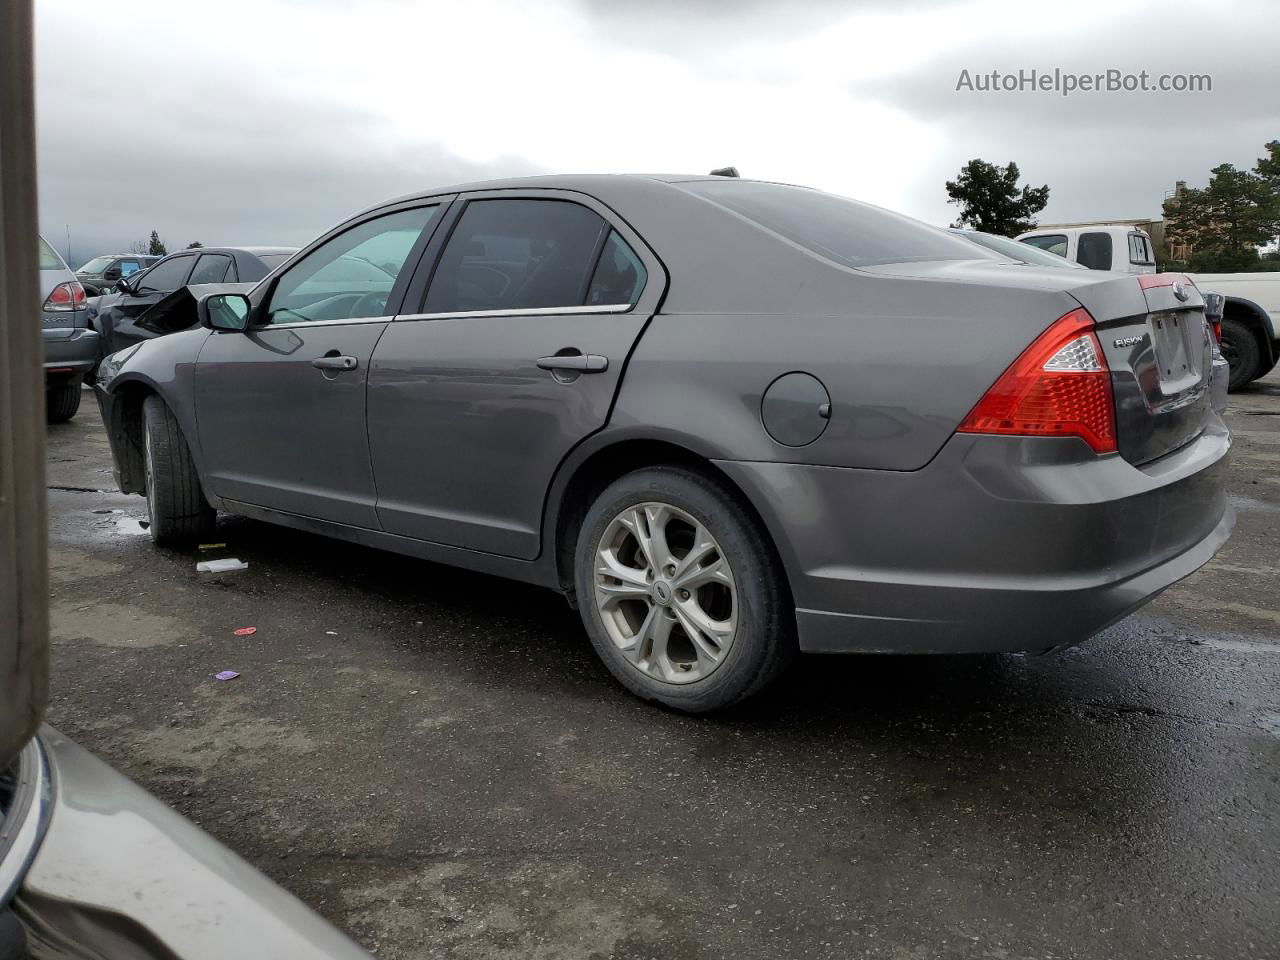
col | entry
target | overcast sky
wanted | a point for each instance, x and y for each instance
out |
(267, 121)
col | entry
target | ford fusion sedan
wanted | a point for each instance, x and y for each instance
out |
(729, 420)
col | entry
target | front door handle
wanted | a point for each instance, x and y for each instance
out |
(577, 362)
(335, 363)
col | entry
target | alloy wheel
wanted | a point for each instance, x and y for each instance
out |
(665, 592)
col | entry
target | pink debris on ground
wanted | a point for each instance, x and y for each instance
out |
(246, 631)
(226, 675)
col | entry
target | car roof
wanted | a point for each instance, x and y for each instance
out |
(254, 251)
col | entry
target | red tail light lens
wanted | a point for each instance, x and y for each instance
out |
(66, 296)
(1059, 387)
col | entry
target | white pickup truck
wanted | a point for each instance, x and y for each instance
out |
(1251, 312)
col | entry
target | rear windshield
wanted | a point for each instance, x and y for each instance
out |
(273, 260)
(1024, 252)
(844, 231)
(96, 265)
(49, 259)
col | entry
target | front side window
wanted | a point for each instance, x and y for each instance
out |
(517, 254)
(212, 268)
(351, 275)
(129, 267)
(1053, 242)
(1094, 251)
(166, 276)
(619, 275)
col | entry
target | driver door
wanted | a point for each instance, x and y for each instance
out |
(280, 407)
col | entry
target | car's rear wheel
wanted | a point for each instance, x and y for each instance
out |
(176, 505)
(680, 591)
(61, 400)
(1240, 350)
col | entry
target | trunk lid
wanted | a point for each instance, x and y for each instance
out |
(1156, 341)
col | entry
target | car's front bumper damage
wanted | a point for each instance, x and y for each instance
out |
(999, 544)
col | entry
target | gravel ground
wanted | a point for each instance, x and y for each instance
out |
(436, 762)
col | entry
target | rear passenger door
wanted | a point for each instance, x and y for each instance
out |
(514, 357)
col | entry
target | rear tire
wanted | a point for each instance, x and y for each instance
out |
(61, 401)
(732, 586)
(176, 504)
(1241, 352)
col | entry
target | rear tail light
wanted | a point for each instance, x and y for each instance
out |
(66, 296)
(1059, 387)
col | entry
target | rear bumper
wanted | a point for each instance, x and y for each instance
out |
(75, 351)
(999, 544)
(118, 874)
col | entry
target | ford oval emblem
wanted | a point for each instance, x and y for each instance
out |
(1180, 290)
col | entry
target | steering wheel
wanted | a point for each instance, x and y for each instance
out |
(372, 304)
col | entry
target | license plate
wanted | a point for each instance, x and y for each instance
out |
(1178, 339)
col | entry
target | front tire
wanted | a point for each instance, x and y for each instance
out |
(1241, 352)
(61, 401)
(680, 591)
(176, 504)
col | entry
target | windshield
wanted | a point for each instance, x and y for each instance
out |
(1015, 250)
(844, 231)
(96, 265)
(49, 259)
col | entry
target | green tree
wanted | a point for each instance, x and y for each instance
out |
(990, 199)
(194, 245)
(156, 248)
(1227, 221)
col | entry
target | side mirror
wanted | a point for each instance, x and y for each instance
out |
(224, 311)
(112, 274)
(124, 286)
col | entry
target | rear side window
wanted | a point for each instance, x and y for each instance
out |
(1094, 251)
(212, 268)
(49, 259)
(1140, 249)
(1053, 242)
(166, 276)
(518, 254)
(844, 231)
(619, 275)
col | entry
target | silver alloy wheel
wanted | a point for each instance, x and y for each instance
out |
(665, 592)
(148, 471)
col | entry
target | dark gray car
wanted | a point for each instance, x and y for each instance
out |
(728, 419)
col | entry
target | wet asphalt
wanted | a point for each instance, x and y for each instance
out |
(435, 761)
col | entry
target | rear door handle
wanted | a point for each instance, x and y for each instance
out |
(589, 363)
(335, 363)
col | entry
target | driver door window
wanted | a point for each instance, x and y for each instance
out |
(350, 276)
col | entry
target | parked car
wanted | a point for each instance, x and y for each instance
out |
(1021, 252)
(728, 419)
(1120, 248)
(1250, 322)
(101, 274)
(116, 315)
(71, 348)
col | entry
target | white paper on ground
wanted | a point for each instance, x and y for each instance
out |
(221, 566)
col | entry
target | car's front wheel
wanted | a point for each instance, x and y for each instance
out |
(176, 505)
(680, 592)
(61, 401)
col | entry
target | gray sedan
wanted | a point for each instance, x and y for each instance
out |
(729, 420)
